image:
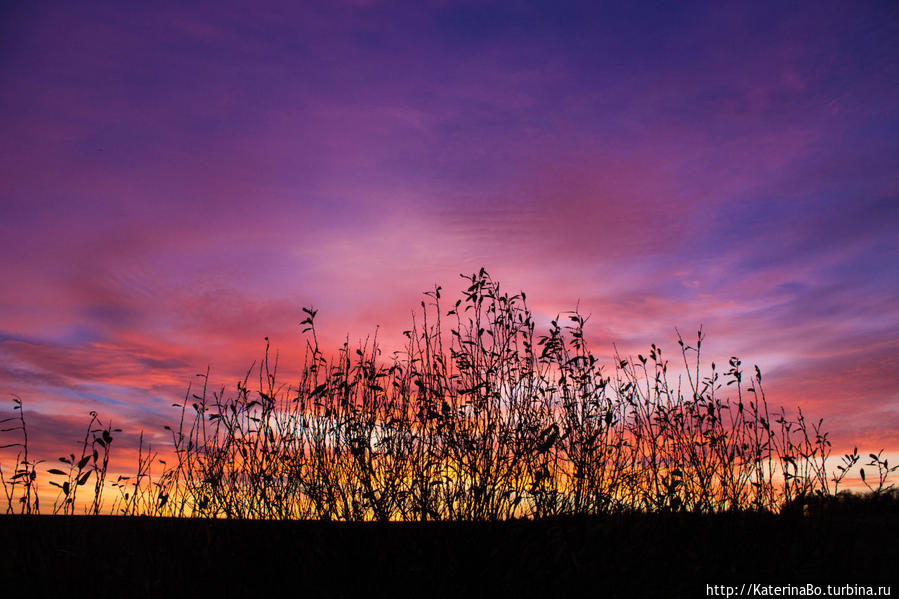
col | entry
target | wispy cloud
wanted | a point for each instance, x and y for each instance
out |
(176, 184)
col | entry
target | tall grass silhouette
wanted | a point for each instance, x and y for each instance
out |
(478, 417)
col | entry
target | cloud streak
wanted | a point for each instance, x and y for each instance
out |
(177, 183)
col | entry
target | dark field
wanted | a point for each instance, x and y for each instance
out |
(504, 463)
(663, 555)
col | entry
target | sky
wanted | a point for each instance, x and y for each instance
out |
(178, 179)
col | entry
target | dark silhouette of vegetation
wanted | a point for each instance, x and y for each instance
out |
(478, 418)
(622, 555)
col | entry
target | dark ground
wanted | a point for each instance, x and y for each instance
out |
(635, 555)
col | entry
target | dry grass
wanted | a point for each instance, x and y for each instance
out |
(477, 418)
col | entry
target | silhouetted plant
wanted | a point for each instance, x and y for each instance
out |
(20, 488)
(477, 417)
(93, 460)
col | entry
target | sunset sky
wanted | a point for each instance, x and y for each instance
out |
(177, 180)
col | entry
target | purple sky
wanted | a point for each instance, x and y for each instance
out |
(177, 181)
